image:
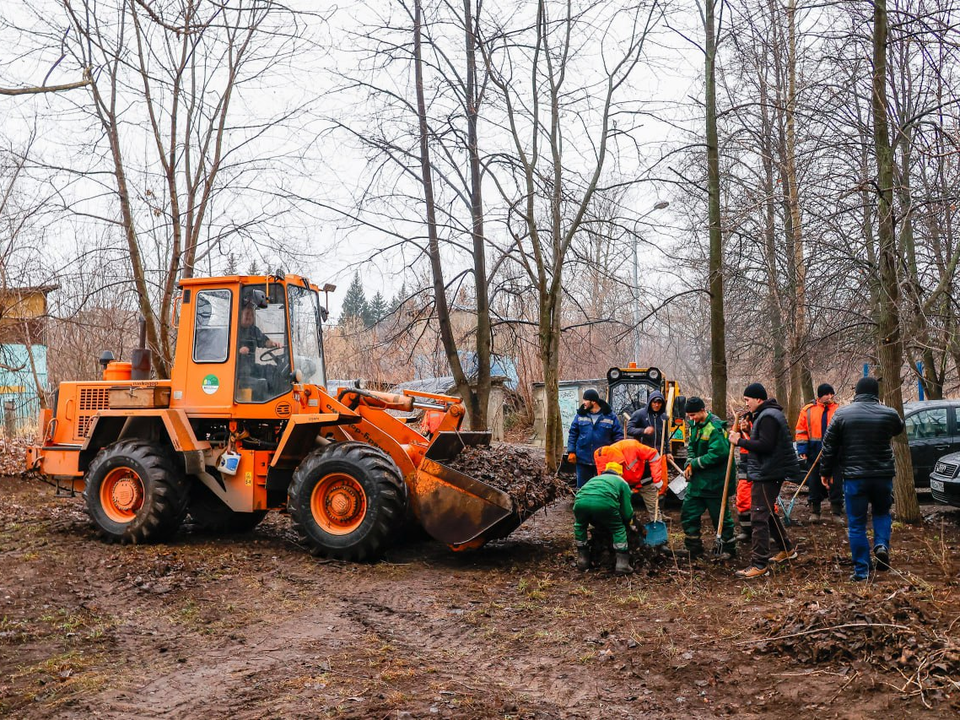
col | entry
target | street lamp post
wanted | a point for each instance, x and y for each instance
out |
(636, 283)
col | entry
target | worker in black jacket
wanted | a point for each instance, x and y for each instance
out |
(770, 460)
(857, 448)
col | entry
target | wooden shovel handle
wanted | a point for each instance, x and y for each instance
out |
(726, 479)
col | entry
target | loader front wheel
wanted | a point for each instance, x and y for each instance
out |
(134, 494)
(347, 500)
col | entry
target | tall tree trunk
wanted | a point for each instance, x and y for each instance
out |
(797, 394)
(439, 287)
(774, 296)
(718, 343)
(479, 400)
(890, 343)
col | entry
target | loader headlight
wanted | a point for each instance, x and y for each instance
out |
(655, 375)
(615, 375)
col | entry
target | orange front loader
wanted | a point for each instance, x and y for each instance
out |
(245, 425)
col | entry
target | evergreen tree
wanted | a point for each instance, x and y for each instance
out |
(376, 310)
(232, 267)
(398, 298)
(354, 302)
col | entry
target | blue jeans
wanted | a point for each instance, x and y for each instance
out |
(584, 473)
(878, 494)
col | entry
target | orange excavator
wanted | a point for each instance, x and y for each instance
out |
(245, 425)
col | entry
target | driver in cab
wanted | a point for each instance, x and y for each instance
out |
(250, 336)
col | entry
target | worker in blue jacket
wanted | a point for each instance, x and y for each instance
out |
(594, 426)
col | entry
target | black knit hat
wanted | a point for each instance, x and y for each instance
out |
(695, 404)
(868, 386)
(591, 394)
(825, 389)
(755, 391)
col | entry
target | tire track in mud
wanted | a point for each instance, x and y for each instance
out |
(221, 678)
(461, 655)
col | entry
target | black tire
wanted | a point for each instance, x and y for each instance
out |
(210, 514)
(347, 501)
(134, 494)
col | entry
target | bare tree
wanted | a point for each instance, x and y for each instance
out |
(161, 82)
(547, 192)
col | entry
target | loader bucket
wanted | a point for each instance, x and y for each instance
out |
(454, 508)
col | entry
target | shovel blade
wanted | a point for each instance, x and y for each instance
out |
(656, 534)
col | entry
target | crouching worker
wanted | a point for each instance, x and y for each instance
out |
(706, 469)
(604, 502)
(643, 469)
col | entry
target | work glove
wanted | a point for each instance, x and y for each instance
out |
(572, 458)
(688, 471)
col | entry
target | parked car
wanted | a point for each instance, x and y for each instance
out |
(933, 430)
(944, 483)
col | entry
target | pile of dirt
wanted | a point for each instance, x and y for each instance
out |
(902, 631)
(520, 472)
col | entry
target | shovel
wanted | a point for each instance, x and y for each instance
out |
(718, 542)
(787, 509)
(656, 530)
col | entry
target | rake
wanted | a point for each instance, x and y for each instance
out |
(718, 542)
(787, 509)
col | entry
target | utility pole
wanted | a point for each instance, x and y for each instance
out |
(636, 283)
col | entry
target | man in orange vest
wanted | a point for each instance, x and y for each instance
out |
(643, 468)
(811, 427)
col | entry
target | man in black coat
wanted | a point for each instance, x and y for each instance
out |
(647, 424)
(770, 460)
(857, 448)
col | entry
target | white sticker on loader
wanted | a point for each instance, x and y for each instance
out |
(210, 384)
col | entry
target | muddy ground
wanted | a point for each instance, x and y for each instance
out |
(254, 627)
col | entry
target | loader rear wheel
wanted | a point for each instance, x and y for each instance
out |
(347, 500)
(210, 514)
(134, 494)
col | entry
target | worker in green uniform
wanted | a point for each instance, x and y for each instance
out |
(707, 452)
(604, 502)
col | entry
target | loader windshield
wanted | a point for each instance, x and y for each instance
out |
(629, 396)
(305, 334)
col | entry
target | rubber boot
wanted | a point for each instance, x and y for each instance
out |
(623, 564)
(693, 550)
(583, 557)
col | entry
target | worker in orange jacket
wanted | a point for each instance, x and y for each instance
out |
(744, 485)
(644, 469)
(811, 427)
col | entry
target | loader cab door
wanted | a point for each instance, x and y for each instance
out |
(263, 370)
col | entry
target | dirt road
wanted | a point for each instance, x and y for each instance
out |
(253, 627)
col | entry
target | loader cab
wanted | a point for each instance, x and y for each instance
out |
(251, 339)
(629, 388)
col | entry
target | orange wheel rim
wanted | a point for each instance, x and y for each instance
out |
(121, 494)
(338, 503)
